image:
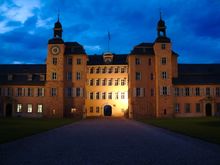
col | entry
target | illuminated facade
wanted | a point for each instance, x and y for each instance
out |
(148, 82)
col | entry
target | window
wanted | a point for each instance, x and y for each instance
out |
(69, 60)
(123, 82)
(42, 77)
(176, 92)
(97, 109)
(29, 110)
(103, 70)
(19, 107)
(163, 46)
(186, 91)
(152, 92)
(116, 95)
(28, 92)
(187, 107)
(78, 76)
(91, 70)
(164, 91)
(78, 92)
(116, 82)
(151, 76)
(198, 107)
(39, 108)
(123, 70)
(78, 61)
(208, 91)
(54, 61)
(138, 92)
(110, 70)
(98, 70)
(122, 95)
(177, 107)
(217, 91)
(103, 95)
(103, 82)
(54, 75)
(109, 82)
(110, 95)
(91, 109)
(97, 95)
(53, 91)
(91, 82)
(163, 60)
(69, 92)
(69, 75)
(137, 61)
(138, 76)
(197, 92)
(164, 75)
(91, 95)
(97, 82)
(40, 91)
(149, 62)
(116, 70)
(19, 92)
(9, 92)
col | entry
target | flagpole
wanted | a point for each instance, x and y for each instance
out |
(108, 41)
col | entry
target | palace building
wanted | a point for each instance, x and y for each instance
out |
(147, 82)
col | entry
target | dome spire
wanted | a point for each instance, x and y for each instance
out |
(58, 27)
(161, 27)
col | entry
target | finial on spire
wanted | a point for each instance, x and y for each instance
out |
(160, 14)
(58, 16)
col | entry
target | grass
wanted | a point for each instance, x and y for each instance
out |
(15, 128)
(207, 128)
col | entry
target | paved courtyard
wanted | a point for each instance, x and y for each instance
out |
(109, 141)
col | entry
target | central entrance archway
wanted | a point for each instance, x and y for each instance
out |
(208, 109)
(8, 112)
(107, 110)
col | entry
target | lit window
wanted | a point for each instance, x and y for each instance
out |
(78, 61)
(53, 91)
(163, 60)
(39, 108)
(54, 61)
(29, 108)
(19, 107)
(116, 95)
(78, 76)
(138, 76)
(54, 75)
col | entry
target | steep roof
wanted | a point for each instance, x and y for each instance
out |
(74, 48)
(20, 72)
(190, 74)
(143, 48)
(119, 59)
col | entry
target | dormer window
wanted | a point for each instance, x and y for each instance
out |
(29, 77)
(108, 57)
(42, 77)
(10, 77)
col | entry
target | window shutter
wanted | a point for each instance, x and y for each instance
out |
(73, 92)
(161, 91)
(168, 90)
(134, 92)
(81, 92)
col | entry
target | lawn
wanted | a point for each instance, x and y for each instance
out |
(207, 128)
(15, 128)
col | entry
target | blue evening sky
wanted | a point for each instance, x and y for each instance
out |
(26, 25)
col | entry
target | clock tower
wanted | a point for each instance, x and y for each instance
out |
(55, 69)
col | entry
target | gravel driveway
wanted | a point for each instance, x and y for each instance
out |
(109, 141)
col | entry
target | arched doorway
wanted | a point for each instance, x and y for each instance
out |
(107, 110)
(8, 112)
(208, 109)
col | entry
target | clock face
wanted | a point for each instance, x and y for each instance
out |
(55, 50)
